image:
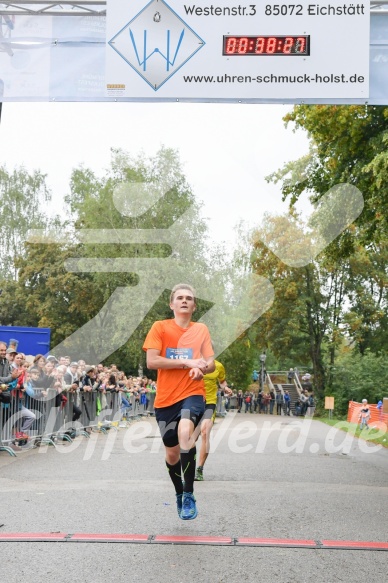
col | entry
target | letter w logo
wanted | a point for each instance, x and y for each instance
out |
(146, 48)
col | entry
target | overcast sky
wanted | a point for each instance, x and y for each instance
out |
(226, 149)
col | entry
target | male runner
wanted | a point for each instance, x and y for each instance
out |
(182, 353)
(212, 380)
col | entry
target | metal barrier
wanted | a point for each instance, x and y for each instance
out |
(151, 404)
(220, 407)
(44, 417)
(41, 418)
(233, 402)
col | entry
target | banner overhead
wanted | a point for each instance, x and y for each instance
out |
(174, 50)
(183, 49)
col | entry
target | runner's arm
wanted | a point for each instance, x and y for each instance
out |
(155, 361)
(228, 392)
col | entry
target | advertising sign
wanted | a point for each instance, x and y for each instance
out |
(329, 403)
(237, 50)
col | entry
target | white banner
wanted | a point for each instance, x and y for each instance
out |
(25, 62)
(237, 50)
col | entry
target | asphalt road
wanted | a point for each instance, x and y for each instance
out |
(268, 477)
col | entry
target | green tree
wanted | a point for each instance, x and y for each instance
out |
(303, 324)
(367, 316)
(23, 202)
(107, 205)
(47, 295)
(67, 278)
(357, 377)
(348, 145)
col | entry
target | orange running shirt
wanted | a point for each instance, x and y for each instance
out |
(178, 343)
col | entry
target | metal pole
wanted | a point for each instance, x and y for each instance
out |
(262, 375)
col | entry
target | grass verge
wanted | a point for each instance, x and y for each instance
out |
(377, 435)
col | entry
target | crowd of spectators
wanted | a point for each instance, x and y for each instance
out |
(275, 402)
(22, 380)
(261, 402)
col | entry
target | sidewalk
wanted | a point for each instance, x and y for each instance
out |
(269, 477)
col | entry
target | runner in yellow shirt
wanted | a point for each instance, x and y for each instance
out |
(212, 381)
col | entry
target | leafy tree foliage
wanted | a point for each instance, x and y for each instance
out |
(23, 204)
(348, 145)
(303, 322)
(49, 292)
(356, 377)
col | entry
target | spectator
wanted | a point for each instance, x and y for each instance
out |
(89, 379)
(33, 385)
(60, 375)
(298, 407)
(52, 359)
(18, 394)
(380, 409)
(240, 399)
(227, 402)
(125, 404)
(60, 398)
(40, 363)
(279, 402)
(261, 400)
(291, 376)
(272, 401)
(82, 365)
(7, 374)
(33, 378)
(364, 415)
(18, 365)
(265, 402)
(10, 354)
(71, 375)
(50, 376)
(287, 403)
(310, 405)
(255, 402)
(111, 385)
(248, 403)
(303, 402)
(18, 360)
(71, 381)
(26, 365)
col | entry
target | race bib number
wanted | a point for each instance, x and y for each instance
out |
(179, 353)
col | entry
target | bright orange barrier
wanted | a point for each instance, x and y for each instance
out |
(376, 415)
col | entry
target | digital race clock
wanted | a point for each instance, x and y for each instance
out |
(266, 45)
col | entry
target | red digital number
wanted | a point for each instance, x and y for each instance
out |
(300, 45)
(242, 46)
(260, 45)
(271, 45)
(288, 44)
(231, 45)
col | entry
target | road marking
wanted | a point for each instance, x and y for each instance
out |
(322, 544)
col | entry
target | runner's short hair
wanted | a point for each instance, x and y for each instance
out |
(181, 286)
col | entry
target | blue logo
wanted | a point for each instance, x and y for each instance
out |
(156, 43)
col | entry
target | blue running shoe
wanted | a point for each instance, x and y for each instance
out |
(189, 508)
(179, 498)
